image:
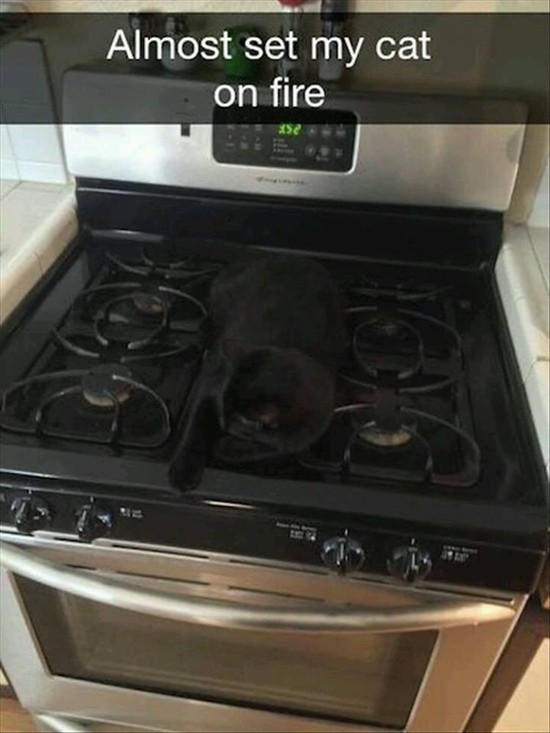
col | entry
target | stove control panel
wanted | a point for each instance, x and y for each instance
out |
(296, 139)
(361, 548)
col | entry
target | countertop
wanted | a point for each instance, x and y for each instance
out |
(37, 222)
(522, 273)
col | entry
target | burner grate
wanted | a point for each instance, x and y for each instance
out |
(403, 411)
(394, 347)
(169, 266)
(118, 368)
(367, 441)
(95, 401)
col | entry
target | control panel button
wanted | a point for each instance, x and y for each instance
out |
(324, 151)
(342, 554)
(326, 132)
(338, 153)
(340, 132)
(310, 150)
(92, 521)
(311, 131)
(409, 563)
(244, 145)
(29, 514)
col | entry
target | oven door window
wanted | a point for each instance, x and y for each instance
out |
(370, 678)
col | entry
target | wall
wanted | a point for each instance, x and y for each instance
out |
(540, 216)
(28, 152)
(528, 708)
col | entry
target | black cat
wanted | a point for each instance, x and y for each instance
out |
(275, 337)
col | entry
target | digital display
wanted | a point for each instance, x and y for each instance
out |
(289, 129)
(300, 139)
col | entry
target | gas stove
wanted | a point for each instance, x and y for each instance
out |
(431, 452)
(430, 439)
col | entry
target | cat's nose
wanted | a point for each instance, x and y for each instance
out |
(245, 426)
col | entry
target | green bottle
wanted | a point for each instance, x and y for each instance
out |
(239, 66)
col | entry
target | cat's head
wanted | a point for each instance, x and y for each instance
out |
(272, 401)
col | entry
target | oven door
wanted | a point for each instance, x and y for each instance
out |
(147, 637)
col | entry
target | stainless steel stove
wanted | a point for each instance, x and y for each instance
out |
(150, 580)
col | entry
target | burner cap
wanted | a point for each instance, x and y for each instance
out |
(148, 304)
(101, 388)
(381, 438)
(386, 327)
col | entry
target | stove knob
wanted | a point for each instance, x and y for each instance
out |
(30, 513)
(409, 563)
(342, 554)
(92, 521)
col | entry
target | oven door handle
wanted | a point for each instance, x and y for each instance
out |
(233, 615)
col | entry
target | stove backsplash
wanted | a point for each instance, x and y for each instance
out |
(418, 236)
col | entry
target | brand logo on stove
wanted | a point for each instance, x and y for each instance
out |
(286, 181)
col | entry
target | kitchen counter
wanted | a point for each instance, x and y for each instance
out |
(37, 222)
(523, 278)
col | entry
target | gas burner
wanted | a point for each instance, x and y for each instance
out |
(104, 405)
(406, 292)
(367, 441)
(381, 438)
(73, 343)
(388, 327)
(392, 347)
(148, 304)
(394, 337)
(107, 384)
(131, 317)
(155, 303)
(165, 263)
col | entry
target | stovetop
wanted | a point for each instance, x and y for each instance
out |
(430, 430)
(118, 369)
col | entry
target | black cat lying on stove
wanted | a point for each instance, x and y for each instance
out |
(274, 337)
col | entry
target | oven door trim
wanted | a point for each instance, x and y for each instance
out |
(461, 662)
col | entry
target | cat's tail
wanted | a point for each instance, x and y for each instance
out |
(204, 408)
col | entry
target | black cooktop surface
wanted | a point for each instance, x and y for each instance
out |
(430, 422)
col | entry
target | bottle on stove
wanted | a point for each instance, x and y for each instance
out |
(292, 20)
(176, 27)
(142, 26)
(333, 16)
